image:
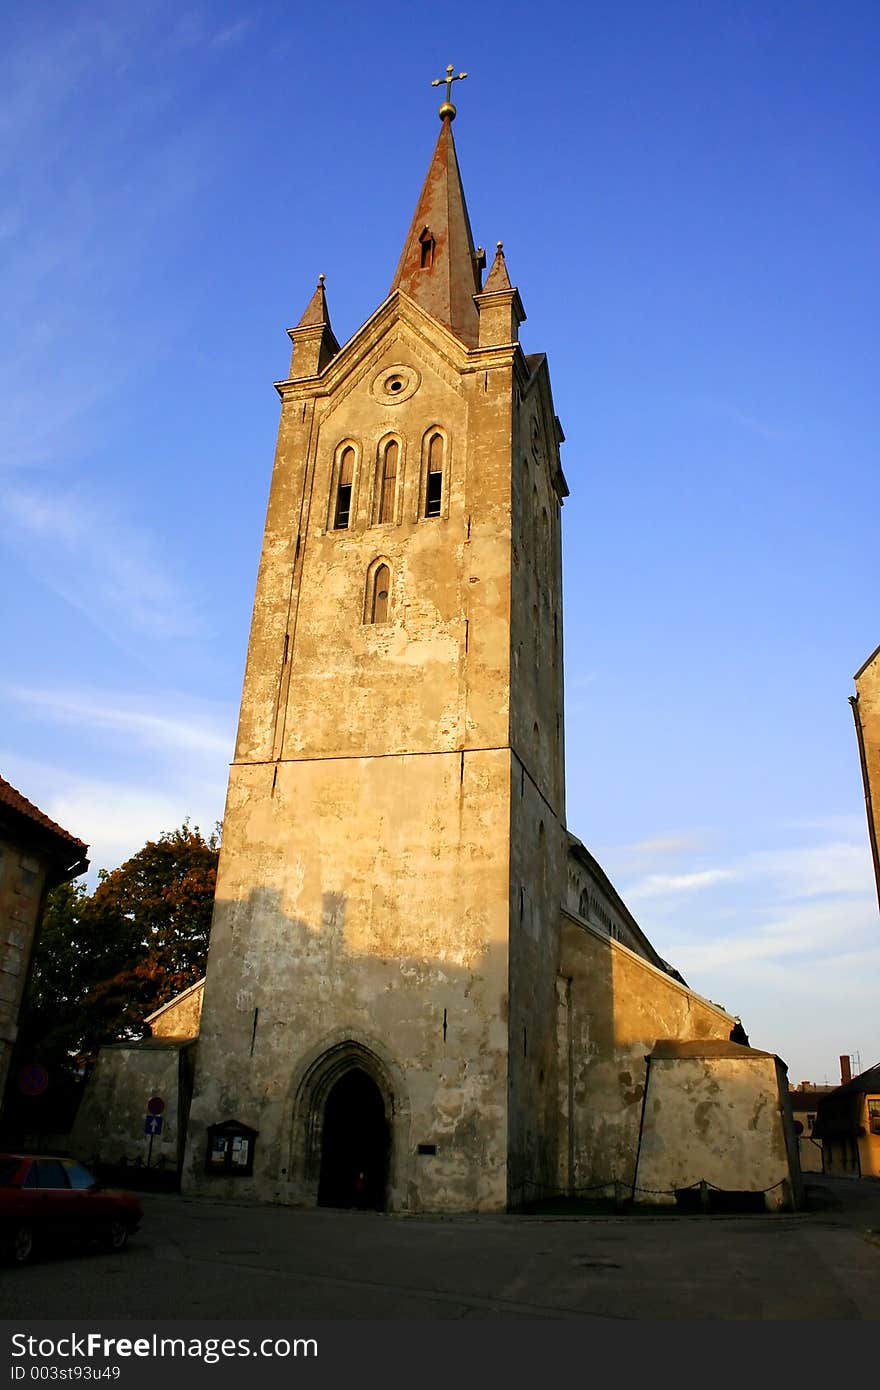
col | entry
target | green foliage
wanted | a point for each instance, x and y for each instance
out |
(106, 960)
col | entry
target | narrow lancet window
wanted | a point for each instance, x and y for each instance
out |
(388, 480)
(434, 490)
(380, 595)
(426, 244)
(342, 514)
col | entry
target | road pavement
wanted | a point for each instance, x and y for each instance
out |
(196, 1258)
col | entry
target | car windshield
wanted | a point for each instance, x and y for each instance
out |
(8, 1166)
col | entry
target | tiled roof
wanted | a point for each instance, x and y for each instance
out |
(802, 1100)
(839, 1111)
(14, 800)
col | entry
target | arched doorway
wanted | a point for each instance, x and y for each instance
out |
(354, 1144)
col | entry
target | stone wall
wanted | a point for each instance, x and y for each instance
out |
(613, 1006)
(22, 881)
(109, 1127)
(378, 917)
(181, 1016)
(717, 1115)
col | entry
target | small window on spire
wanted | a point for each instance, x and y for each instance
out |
(426, 245)
(342, 512)
(381, 593)
(434, 490)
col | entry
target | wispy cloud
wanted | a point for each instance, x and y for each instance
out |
(116, 821)
(71, 274)
(660, 844)
(808, 932)
(769, 932)
(743, 418)
(655, 885)
(151, 760)
(832, 869)
(233, 33)
(845, 827)
(206, 733)
(196, 27)
(98, 561)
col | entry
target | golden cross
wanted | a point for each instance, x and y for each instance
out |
(447, 109)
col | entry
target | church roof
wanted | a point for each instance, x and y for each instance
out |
(174, 1000)
(703, 1047)
(439, 267)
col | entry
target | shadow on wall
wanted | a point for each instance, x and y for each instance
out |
(293, 1012)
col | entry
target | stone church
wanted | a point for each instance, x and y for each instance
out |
(423, 993)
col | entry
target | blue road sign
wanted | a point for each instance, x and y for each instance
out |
(33, 1079)
(152, 1124)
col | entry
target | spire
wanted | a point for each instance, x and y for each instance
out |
(314, 342)
(499, 306)
(439, 267)
(316, 314)
(498, 278)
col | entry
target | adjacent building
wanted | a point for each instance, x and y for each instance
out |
(848, 1124)
(805, 1100)
(35, 856)
(866, 713)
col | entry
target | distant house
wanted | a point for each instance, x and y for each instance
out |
(805, 1100)
(35, 856)
(848, 1124)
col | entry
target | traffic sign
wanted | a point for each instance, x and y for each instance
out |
(152, 1125)
(33, 1079)
(155, 1105)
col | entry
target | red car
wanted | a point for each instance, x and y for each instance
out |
(45, 1200)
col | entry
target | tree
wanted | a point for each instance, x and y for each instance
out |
(104, 961)
(150, 920)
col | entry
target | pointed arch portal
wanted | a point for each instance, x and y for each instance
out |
(354, 1144)
(350, 1125)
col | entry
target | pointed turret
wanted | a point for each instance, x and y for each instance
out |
(500, 307)
(314, 342)
(439, 267)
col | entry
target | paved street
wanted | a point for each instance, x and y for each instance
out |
(202, 1259)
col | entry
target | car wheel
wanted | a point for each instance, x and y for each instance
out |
(117, 1235)
(22, 1245)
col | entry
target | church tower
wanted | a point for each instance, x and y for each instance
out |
(379, 1022)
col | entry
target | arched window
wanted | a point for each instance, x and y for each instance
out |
(387, 480)
(380, 595)
(434, 489)
(426, 247)
(342, 511)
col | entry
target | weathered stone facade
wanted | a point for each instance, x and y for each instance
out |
(406, 941)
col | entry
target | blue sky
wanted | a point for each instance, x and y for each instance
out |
(688, 199)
